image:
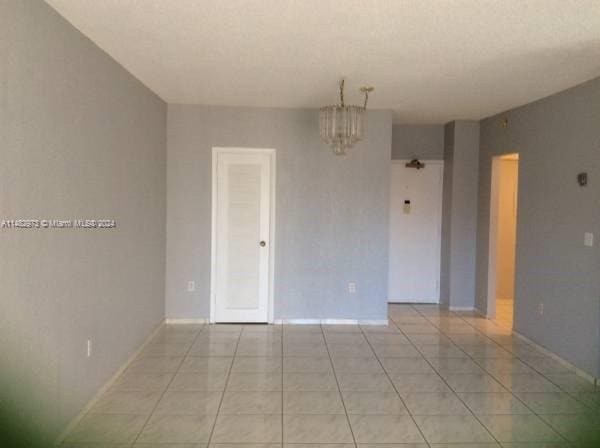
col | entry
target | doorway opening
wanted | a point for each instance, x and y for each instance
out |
(503, 238)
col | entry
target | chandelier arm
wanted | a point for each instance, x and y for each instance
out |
(366, 99)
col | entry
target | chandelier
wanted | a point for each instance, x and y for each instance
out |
(342, 126)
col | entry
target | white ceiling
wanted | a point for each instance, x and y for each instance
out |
(431, 61)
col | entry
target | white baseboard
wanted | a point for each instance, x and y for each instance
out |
(293, 321)
(461, 308)
(331, 322)
(297, 321)
(558, 359)
(374, 322)
(339, 321)
(62, 436)
(398, 301)
(202, 320)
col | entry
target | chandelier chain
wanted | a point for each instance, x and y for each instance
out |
(342, 92)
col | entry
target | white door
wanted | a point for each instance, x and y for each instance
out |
(242, 234)
(415, 233)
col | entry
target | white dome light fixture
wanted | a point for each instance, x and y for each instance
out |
(342, 126)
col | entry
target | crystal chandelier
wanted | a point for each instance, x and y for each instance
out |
(342, 126)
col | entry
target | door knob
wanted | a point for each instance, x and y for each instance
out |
(262, 244)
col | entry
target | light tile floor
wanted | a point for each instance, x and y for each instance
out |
(431, 378)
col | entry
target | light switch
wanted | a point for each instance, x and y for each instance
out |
(588, 239)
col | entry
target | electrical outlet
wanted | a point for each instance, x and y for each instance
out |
(191, 286)
(352, 288)
(89, 348)
(541, 308)
(588, 239)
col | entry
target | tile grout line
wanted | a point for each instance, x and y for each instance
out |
(527, 363)
(516, 396)
(487, 373)
(473, 359)
(394, 386)
(441, 377)
(168, 385)
(212, 430)
(465, 347)
(542, 417)
(516, 356)
(338, 386)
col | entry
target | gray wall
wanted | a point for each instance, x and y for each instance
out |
(446, 213)
(331, 216)
(459, 214)
(425, 142)
(556, 137)
(80, 138)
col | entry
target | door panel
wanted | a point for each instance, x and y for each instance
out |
(242, 222)
(415, 234)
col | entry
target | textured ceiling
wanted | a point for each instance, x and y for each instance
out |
(431, 61)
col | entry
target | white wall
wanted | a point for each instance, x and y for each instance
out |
(331, 211)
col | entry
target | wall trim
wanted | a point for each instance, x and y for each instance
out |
(398, 301)
(592, 379)
(374, 322)
(463, 308)
(297, 321)
(75, 420)
(205, 320)
(201, 320)
(331, 322)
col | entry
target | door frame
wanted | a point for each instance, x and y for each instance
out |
(216, 151)
(439, 231)
(493, 232)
